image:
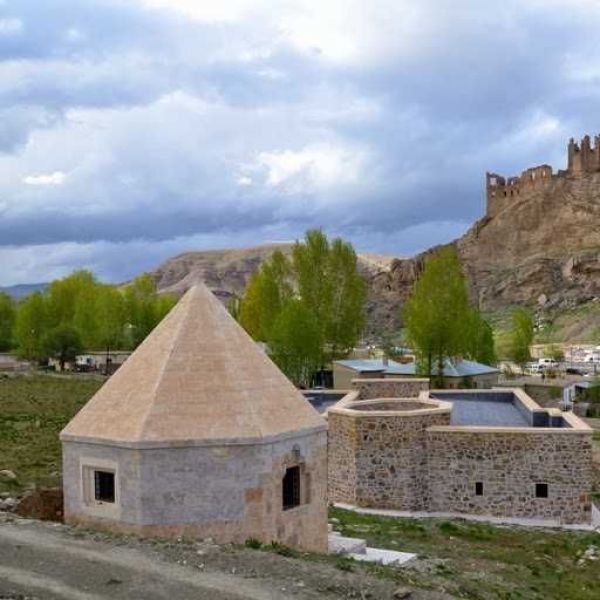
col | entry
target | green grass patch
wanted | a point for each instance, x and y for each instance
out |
(33, 410)
(482, 561)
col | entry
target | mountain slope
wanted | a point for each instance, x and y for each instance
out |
(540, 249)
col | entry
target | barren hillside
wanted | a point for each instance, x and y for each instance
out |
(540, 249)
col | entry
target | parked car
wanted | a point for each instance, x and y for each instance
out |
(574, 371)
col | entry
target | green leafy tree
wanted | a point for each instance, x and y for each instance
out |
(249, 315)
(323, 277)
(521, 337)
(63, 343)
(481, 344)
(139, 303)
(110, 318)
(274, 291)
(295, 342)
(63, 296)
(329, 284)
(85, 314)
(311, 270)
(7, 322)
(31, 324)
(348, 294)
(144, 308)
(437, 315)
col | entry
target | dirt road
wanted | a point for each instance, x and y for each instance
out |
(40, 561)
(46, 565)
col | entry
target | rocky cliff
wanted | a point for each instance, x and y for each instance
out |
(540, 247)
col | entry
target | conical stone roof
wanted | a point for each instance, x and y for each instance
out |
(197, 379)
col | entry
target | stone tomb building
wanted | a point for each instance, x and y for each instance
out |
(199, 434)
(394, 444)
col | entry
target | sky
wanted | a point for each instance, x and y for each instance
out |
(134, 130)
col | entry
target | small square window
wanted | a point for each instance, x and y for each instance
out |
(291, 488)
(541, 490)
(479, 488)
(104, 486)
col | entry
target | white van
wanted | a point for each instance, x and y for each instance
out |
(547, 363)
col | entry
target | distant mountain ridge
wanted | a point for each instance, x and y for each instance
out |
(22, 290)
(227, 272)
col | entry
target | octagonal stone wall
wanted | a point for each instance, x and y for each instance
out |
(229, 493)
(378, 458)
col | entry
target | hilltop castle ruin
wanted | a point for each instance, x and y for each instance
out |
(582, 159)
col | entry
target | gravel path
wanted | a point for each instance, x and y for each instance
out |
(47, 561)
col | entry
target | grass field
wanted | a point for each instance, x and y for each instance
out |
(486, 562)
(470, 560)
(33, 410)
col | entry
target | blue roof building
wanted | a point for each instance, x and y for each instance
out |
(457, 373)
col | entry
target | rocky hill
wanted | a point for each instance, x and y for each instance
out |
(538, 245)
(227, 273)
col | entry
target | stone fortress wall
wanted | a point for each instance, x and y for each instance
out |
(403, 453)
(583, 160)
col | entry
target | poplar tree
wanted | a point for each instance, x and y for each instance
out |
(521, 337)
(62, 343)
(295, 343)
(7, 321)
(319, 291)
(249, 307)
(31, 324)
(439, 321)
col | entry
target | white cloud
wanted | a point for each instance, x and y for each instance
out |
(338, 31)
(316, 166)
(75, 35)
(244, 180)
(11, 26)
(206, 10)
(56, 178)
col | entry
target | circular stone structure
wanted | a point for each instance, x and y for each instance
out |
(377, 451)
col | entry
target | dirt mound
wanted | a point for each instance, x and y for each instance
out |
(45, 504)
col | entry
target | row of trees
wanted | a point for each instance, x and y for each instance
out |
(78, 312)
(440, 323)
(308, 308)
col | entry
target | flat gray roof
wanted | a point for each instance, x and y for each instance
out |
(486, 413)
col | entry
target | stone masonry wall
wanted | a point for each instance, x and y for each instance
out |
(230, 493)
(341, 458)
(379, 461)
(390, 388)
(509, 464)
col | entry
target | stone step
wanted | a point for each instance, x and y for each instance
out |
(383, 557)
(346, 545)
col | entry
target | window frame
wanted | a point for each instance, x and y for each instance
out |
(539, 487)
(99, 475)
(296, 491)
(89, 502)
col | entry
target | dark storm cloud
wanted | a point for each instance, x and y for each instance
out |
(122, 123)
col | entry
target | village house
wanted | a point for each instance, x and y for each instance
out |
(199, 434)
(457, 373)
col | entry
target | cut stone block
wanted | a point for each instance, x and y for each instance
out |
(383, 557)
(346, 545)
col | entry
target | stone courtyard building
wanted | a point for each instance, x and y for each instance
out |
(394, 444)
(199, 434)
